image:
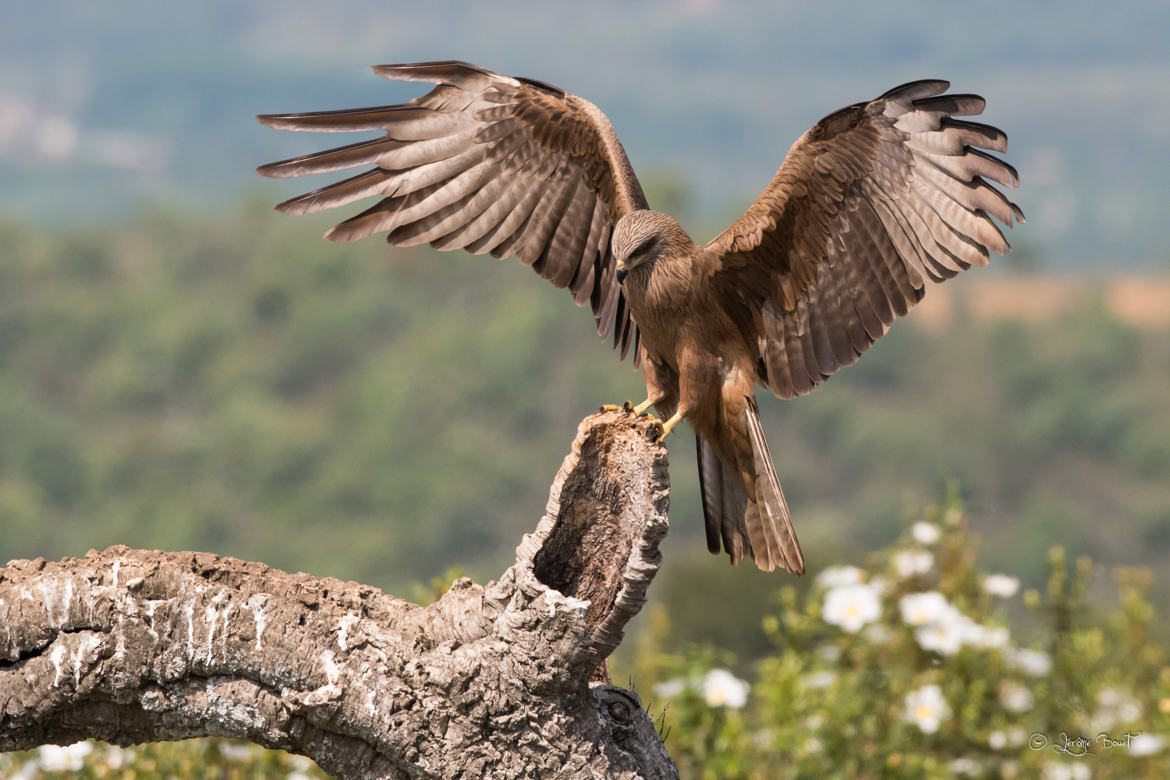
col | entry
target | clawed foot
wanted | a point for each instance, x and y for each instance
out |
(666, 427)
(657, 430)
(628, 408)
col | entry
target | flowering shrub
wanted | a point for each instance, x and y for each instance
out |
(910, 667)
(219, 758)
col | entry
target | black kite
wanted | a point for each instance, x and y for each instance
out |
(873, 203)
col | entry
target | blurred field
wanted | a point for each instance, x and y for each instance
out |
(1139, 301)
(233, 384)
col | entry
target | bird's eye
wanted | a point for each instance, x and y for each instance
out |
(643, 247)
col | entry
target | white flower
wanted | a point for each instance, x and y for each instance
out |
(1001, 585)
(926, 708)
(944, 637)
(839, 576)
(1129, 711)
(991, 636)
(1067, 772)
(829, 653)
(909, 563)
(924, 532)
(1108, 697)
(28, 771)
(851, 607)
(670, 688)
(117, 757)
(1015, 697)
(964, 766)
(1145, 744)
(1034, 662)
(997, 740)
(813, 745)
(1114, 707)
(234, 751)
(819, 680)
(1016, 736)
(55, 758)
(721, 688)
(919, 609)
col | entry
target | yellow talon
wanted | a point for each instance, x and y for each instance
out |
(642, 407)
(668, 426)
(611, 407)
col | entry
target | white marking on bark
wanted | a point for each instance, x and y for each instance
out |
(211, 616)
(332, 670)
(151, 604)
(256, 604)
(224, 636)
(120, 649)
(189, 610)
(343, 630)
(86, 643)
(56, 656)
(56, 597)
(117, 565)
(330, 689)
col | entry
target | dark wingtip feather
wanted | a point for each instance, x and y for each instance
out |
(454, 72)
(916, 90)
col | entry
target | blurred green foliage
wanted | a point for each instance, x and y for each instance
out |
(1079, 688)
(236, 385)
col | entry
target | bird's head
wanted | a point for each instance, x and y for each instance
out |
(642, 237)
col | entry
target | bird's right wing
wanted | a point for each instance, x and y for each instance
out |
(871, 204)
(487, 163)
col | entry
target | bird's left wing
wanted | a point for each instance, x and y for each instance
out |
(487, 163)
(872, 203)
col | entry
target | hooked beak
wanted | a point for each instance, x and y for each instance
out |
(622, 271)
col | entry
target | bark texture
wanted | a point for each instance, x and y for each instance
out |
(133, 646)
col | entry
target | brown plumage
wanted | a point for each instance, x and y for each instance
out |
(870, 205)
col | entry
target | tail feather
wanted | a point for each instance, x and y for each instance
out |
(778, 533)
(758, 525)
(711, 489)
(724, 504)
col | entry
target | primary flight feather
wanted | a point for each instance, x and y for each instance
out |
(870, 205)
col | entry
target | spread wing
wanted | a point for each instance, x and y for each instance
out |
(487, 163)
(869, 205)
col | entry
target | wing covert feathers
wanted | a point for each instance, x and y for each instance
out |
(871, 205)
(487, 163)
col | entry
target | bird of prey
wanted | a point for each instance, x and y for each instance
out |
(871, 205)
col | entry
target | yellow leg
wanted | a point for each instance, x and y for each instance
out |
(668, 426)
(634, 410)
(642, 407)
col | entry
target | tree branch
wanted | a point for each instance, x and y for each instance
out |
(133, 646)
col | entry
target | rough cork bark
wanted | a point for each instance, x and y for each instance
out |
(133, 646)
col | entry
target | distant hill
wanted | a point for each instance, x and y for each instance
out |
(105, 107)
